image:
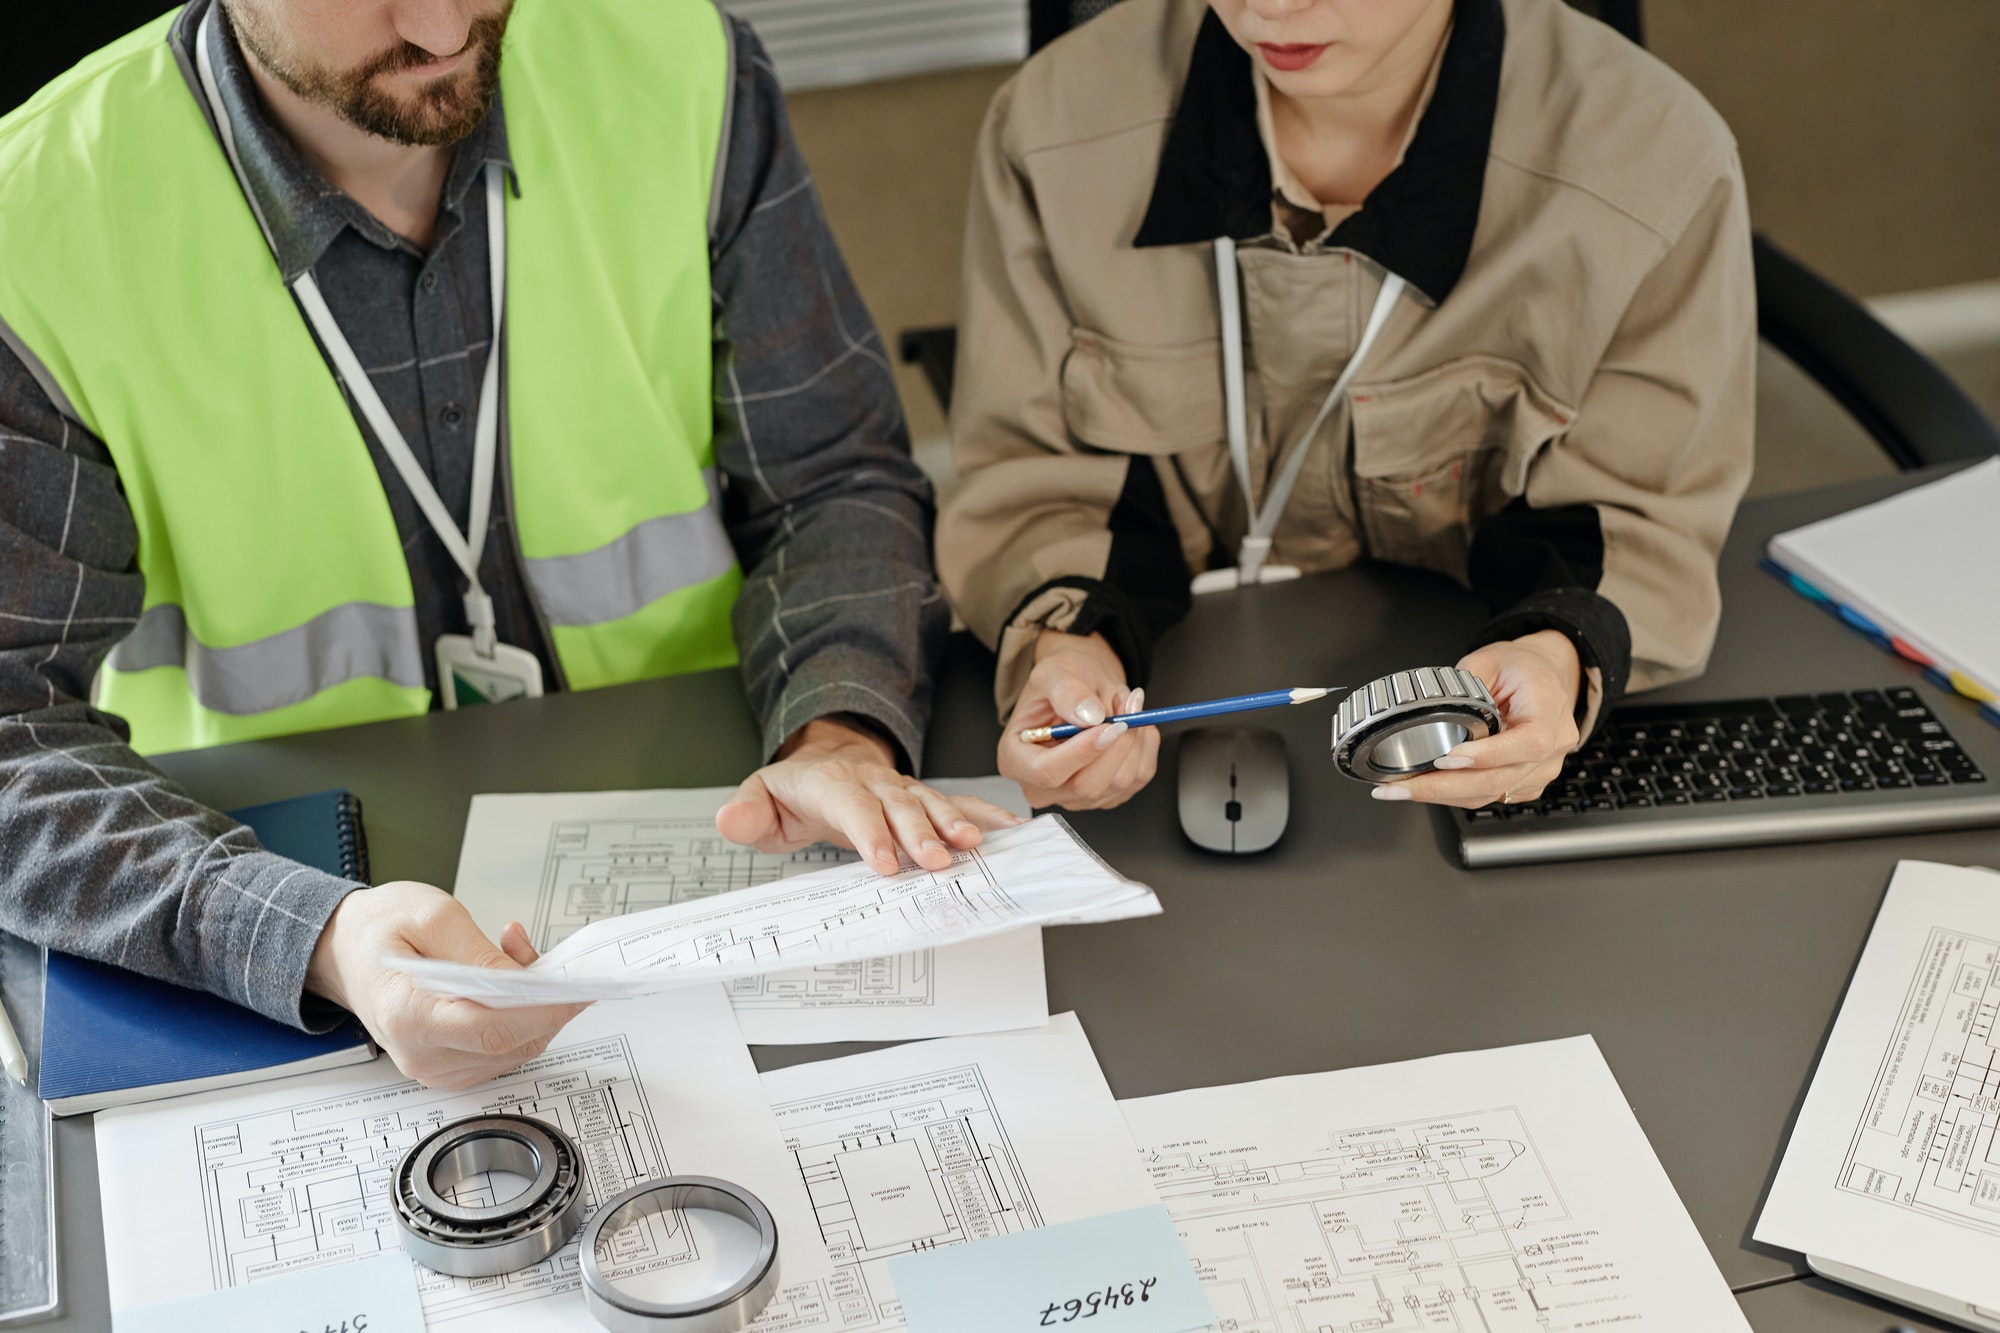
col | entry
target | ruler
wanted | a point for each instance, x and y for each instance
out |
(27, 1153)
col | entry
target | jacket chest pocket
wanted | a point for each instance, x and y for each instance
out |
(1131, 399)
(1436, 453)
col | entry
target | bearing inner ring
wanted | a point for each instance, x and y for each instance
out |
(724, 1312)
(467, 1241)
(1402, 724)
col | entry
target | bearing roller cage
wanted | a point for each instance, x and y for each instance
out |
(1400, 725)
(499, 1238)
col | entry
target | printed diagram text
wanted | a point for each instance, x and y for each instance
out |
(598, 868)
(896, 1168)
(1926, 1140)
(308, 1185)
(1445, 1225)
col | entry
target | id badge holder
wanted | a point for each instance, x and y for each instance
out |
(467, 677)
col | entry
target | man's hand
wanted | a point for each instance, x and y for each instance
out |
(442, 1043)
(833, 782)
(1078, 678)
(1535, 681)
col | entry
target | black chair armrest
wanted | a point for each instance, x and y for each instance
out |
(933, 350)
(1915, 412)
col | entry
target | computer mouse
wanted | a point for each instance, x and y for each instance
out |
(1235, 788)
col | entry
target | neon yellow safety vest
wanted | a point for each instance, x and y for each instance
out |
(277, 596)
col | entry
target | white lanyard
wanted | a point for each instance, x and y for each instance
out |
(465, 547)
(1256, 545)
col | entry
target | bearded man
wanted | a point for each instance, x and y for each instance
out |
(359, 357)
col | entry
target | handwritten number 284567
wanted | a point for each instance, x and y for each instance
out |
(1086, 1307)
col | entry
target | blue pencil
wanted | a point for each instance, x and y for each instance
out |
(1152, 717)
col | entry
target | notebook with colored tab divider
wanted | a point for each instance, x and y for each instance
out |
(113, 1038)
(1917, 573)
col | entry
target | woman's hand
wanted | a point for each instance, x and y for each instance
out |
(1077, 678)
(1535, 681)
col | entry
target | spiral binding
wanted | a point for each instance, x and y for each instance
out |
(353, 842)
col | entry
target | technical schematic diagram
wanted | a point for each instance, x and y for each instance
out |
(308, 1185)
(894, 1168)
(1926, 1138)
(598, 868)
(1445, 1225)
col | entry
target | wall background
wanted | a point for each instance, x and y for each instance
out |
(1870, 129)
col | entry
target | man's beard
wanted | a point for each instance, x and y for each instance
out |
(441, 112)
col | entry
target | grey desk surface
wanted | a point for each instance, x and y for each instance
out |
(1709, 979)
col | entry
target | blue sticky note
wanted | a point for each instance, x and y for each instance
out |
(1120, 1273)
(374, 1295)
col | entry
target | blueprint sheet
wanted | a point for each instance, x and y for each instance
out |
(557, 862)
(228, 1188)
(1504, 1191)
(937, 1143)
(1037, 873)
(1893, 1166)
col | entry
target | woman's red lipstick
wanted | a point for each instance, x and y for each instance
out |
(1290, 57)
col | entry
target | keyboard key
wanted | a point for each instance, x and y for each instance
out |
(1893, 780)
(1712, 794)
(1903, 697)
(1871, 699)
(1795, 705)
(1629, 802)
(1817, 786)
(1856, 784)
(1746, 793)
(1967, 775)
(1782, 789)
(1926, 778)
(1833, 703)
(1486, 814)
(1676, 798)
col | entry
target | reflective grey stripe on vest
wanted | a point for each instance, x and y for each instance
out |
(343, 644)
(659, 556)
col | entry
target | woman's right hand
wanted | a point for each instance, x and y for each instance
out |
(1077, 678)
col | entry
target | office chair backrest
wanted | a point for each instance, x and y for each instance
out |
(1050, 19)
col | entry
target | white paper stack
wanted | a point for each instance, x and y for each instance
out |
(1924, 566)
(1035, 874)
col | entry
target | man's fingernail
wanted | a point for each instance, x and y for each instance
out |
(933, 845)
(1452, 761)
(960, 824)
(1090, 712)
(1389, 793)
(1109, 735)
(1136, 702)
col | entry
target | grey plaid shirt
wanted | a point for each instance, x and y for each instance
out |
(100, 855)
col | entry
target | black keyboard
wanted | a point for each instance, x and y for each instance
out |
(1797, 768)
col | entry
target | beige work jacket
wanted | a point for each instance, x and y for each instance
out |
(1558, 412)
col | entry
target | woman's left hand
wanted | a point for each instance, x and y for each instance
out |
(1535, 681)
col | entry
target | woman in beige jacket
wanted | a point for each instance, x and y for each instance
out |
(1263, 286)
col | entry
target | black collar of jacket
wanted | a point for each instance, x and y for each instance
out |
(1215, 179)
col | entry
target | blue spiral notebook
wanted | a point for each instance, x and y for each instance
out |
(112, 1037)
